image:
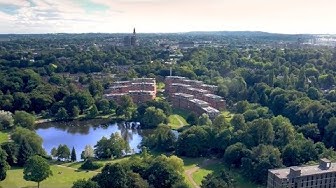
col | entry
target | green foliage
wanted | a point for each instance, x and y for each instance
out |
(192, 119)
(90, 165)
(204, 120)
(24, 119)
(87, 153)
(62, 114)
(85, 184)
(192, 142)
(162, 139)
(153, 117)
(222, 180)
(73, 154)
(11, 150)
(112, 175)
(3, 164)
(93, 111)
(63, 152)
(114, 147)
(36, 169)
(6, 120)
(24, 153)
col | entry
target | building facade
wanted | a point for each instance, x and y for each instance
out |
(194, 95)
(139, 89)
(315, 176)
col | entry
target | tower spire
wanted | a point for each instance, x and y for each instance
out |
(134, 31)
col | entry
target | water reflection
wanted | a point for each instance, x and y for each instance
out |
(80, 133)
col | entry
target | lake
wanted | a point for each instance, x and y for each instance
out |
(78, 134)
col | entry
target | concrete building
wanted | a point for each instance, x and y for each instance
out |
(139, 89)
(315, 176)
(194, 95)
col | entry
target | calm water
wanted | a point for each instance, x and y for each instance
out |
(78, 134)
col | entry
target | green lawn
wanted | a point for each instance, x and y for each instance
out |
(199, 175)
(3, 137)
(176, 121)
(63, 177)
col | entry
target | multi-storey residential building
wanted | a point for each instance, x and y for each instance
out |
(315, 176)
(139, 89)
(194, 95)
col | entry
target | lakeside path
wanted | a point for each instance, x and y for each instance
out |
(190, 171)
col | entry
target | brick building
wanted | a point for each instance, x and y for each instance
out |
(315, 176)
(194, 95)
(139, 89)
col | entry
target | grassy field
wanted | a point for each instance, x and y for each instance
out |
(176, 121)
(3, 137)
(199, 175)
(63, 177)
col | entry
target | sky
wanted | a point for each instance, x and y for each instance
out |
(151, 16)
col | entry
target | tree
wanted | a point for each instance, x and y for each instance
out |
(112, 175)
(85, 184)
(222, 180)
(238, 122)
(24, 119)
(33, 139)
(161, 173)
(73, 154)
(25, 151)
(62, 114)
(193, 142)
(6, 120)
(53, 152)
(234, 153)
(37, 169)
(93, 111)
(63, 152)
(162, 139)
(95, 88)
(204, 120)
(220, 122)
(192, 119)
(88, 152)
(11, 150)
(153, 117)
(3, 165)
(104, 106)
(113, 147)
(260, 131)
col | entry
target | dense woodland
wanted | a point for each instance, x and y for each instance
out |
(283, 100)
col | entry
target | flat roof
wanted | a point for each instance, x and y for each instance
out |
(207, 85)
(143, 83)
(140, 91)
(179, 84)
(121, 82)
(199, 90)
(283, 173)
(114, 94)
(210, 109)
(199, 102)
(213, 96)
(176, 77)
(183, 95)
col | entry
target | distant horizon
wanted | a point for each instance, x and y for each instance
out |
(167, 16)
(182, 32)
